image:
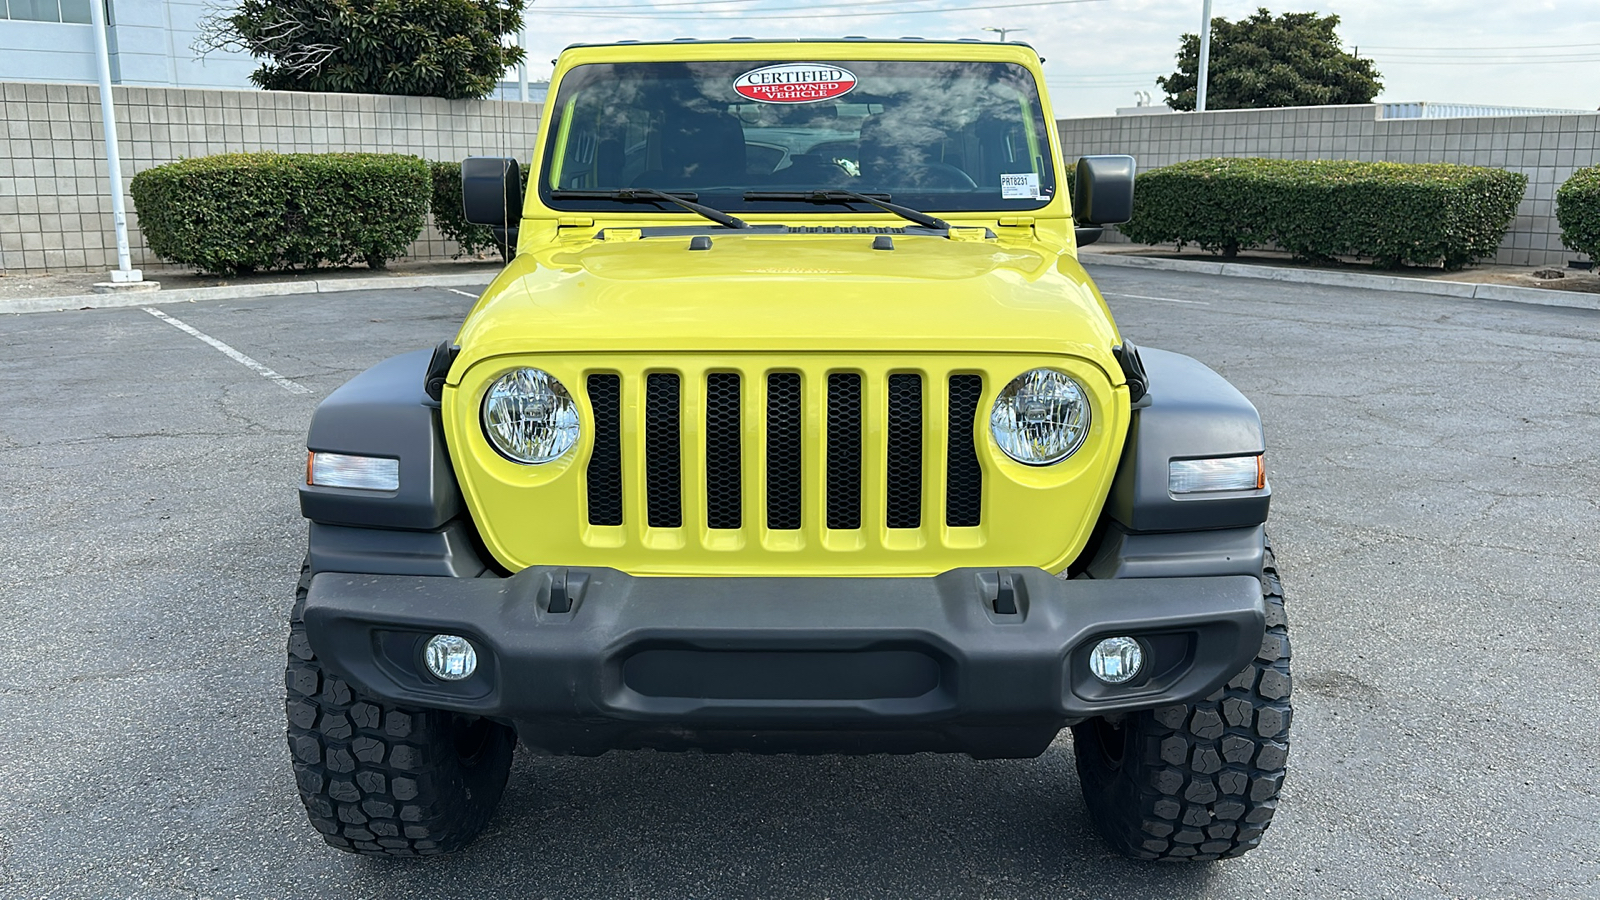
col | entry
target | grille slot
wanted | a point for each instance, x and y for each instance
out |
(605, 465)
(964, 478)
(783, 451)
(844, 451)
(722, 451)
(904, 487)
(663, 478)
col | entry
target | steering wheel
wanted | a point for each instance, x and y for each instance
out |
(934, 175)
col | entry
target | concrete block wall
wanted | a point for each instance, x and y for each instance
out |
(1547, 148)
(55, 209)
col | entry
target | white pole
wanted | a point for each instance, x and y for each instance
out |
(1205, 57)
(523, 40)
(125, 271)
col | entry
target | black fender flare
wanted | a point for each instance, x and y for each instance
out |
(423, 527)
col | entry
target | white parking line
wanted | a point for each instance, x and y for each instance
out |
(462, 293)
(1162, 299)
(231, 353)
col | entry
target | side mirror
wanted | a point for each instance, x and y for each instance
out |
(491, 191)
(1103, 191)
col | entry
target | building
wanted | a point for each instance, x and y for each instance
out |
(150, 43)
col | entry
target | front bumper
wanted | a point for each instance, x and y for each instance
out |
(785, 664)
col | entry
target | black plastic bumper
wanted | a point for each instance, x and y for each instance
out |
(785, 664)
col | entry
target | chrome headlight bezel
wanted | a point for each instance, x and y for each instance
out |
(1041, 417)
(529, 417)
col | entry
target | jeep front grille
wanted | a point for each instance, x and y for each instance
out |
(824, 435)
(783, 451)
(844, 451)
(903, 480)
(605, 464)
(965, 484)
(722, 451)
(663, 471)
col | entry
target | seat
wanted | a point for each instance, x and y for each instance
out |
(697, 148)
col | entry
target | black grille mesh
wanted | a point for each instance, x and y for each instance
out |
(964, 489)
(783, 451)
(722, 450)
(605, 465)
(904, 507)
(663, 474)
(844, 450)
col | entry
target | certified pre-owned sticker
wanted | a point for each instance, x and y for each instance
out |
(795, 83)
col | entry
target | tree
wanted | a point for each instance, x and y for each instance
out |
(1263, 62)
(431, 48)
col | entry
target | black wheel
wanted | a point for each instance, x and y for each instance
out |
(1198, 781)
(385, 780)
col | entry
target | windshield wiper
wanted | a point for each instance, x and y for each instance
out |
(651, 195)
(836, 195)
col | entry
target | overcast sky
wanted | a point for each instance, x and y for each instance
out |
(1099, 52)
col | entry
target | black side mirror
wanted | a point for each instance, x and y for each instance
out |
(1103, 191)
(491, 191)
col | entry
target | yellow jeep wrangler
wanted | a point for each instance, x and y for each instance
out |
(794, 426)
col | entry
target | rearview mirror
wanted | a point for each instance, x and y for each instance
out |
(491, 191)
(1103, 191)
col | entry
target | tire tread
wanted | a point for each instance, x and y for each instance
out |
(376, 779)
(1200, 781)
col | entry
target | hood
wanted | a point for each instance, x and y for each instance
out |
(786, 293)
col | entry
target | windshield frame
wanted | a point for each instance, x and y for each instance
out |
(1021, 79)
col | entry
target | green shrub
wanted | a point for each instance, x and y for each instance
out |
(447, 211)
(1393, 213)
(239, 212)
(1578, 211)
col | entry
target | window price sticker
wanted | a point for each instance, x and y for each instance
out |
(1024, 186)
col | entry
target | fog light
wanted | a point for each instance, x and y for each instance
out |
(450, 657)
(1116, 660)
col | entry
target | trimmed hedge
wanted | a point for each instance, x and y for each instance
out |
(447, 211)
(1393, 213)
(1578, 211)
(239, 212)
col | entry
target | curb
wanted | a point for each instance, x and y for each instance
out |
(1464, 290)
(1459, 289)
(238, 292)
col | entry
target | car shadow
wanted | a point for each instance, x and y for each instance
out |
(651, 824)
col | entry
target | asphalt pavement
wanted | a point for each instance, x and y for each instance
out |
(1435, 515)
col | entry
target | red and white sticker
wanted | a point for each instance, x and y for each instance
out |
(795, 83)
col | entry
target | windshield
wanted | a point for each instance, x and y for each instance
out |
(946, 136)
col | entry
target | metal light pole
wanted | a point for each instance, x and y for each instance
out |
(1003, 31)
(1205, 57)
(125, 273)
(524, 41)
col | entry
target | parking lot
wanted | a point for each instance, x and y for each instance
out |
(1436, 516)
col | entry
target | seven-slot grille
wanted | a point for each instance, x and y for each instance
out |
(790, 441)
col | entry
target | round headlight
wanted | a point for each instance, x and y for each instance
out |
(529, 417)
(1041, 417)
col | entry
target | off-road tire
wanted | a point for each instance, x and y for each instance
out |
(1197, 781)
(384, 780)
